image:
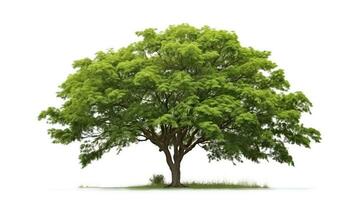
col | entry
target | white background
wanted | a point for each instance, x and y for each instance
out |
(313, 41)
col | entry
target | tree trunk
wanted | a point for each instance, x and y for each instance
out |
(175, 175)
(174, 165)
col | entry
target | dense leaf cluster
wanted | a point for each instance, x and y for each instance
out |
(179, 88)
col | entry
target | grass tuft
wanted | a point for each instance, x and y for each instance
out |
(204, 185)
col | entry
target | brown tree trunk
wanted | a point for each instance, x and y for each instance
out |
(175, 175)
(175, 137)
(174, 165)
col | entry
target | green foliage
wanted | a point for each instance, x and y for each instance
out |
(178, 88)
(157, 179)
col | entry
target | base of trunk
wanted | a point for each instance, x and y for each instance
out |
(179, 185)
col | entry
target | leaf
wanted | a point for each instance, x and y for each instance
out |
(199, 83)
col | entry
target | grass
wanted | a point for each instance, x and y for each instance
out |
(204, 185)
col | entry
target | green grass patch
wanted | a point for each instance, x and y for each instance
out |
(203, 185)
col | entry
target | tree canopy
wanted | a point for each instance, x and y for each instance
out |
(179, 88)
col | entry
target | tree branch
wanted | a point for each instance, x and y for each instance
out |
(192, 136)
(181, 145)
(142, 140)
(198, 141)
(168, 157)
(153, 138)
(226, 123)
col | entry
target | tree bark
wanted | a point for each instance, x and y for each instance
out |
(175, 166)
(175, 175)
(180, 149)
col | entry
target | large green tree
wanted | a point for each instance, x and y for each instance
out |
(181, 88)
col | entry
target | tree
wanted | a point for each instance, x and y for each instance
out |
(181, 88)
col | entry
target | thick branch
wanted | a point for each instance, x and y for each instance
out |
(168, 158)
(180, 140)
(191, 138)
(153, 137)
(198, 141)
